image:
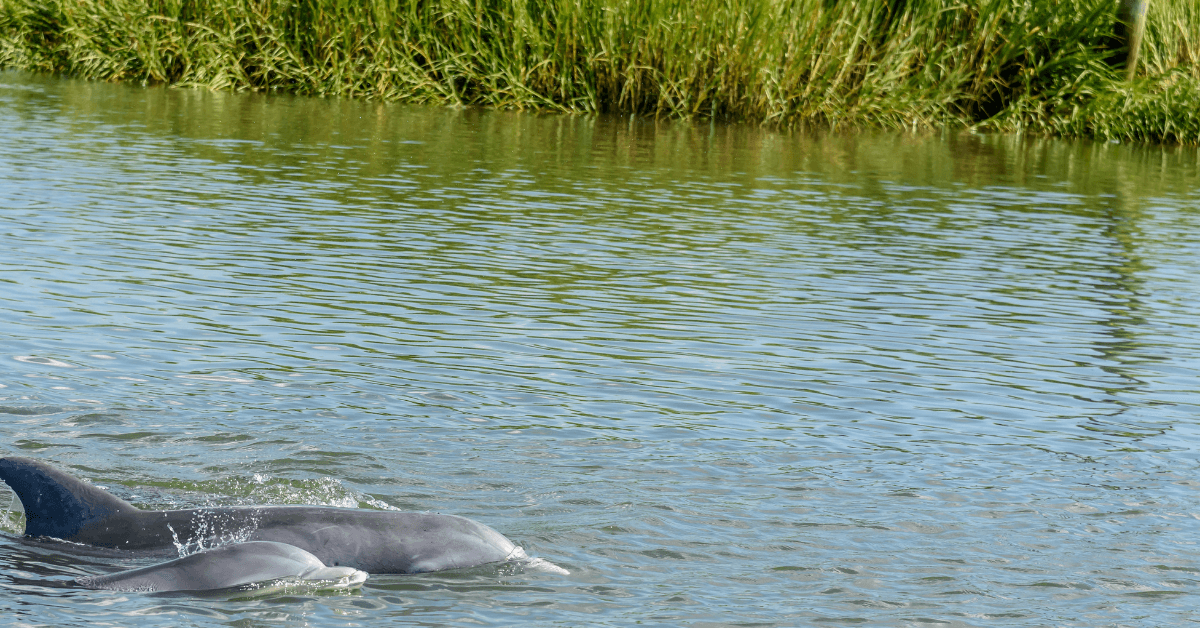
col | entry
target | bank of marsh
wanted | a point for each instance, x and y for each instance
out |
(1004, 65)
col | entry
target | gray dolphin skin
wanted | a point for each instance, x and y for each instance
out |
(380, 542)
(228, 566)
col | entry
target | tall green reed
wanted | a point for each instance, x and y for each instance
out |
(994, 64)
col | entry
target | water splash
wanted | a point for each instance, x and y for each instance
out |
(213, 529)
(541, 564)
(518, 555)
(260, 488)
(8, 517)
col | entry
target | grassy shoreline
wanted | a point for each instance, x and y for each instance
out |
(1007, 66)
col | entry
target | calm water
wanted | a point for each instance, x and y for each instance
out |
(723, 376)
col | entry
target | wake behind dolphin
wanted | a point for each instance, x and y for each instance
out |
(382, 542)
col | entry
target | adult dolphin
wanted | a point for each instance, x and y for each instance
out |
(381, 542)
(228, 566)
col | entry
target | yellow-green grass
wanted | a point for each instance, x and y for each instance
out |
(992, 64)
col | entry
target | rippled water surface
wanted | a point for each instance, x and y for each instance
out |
(723, 376)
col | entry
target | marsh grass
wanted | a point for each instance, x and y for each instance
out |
(1007, 65)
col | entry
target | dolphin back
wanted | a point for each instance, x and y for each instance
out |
(228, 566)
(55, 503)
(60, 506)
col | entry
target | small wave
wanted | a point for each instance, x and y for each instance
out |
(298, 586)
(30, 410)
(217, 378)
(29, 359)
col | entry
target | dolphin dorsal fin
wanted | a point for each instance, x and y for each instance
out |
(57, 504)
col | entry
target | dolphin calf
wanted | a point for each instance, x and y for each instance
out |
(381, 542)
(228, 566)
